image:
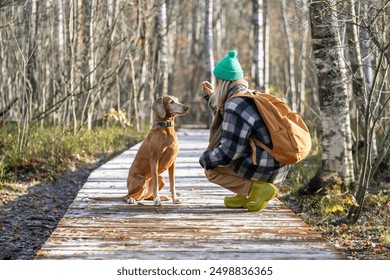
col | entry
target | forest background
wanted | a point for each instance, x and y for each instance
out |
(78, 79)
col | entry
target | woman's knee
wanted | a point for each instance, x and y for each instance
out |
(212, 175)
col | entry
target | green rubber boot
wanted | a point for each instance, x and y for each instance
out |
(237, 201)
(262, 192)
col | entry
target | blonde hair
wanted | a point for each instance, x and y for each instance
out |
(218, 98)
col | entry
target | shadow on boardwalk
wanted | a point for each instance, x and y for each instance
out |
(200, 228)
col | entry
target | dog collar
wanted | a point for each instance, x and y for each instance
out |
(163, 124)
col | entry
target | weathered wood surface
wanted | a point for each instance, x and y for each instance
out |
(200, 228)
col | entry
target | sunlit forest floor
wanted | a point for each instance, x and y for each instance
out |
(36, 188)
(369, 237)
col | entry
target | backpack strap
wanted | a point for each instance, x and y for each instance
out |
(241, 94)
(236, 94)
(253, 141)
(261, 144)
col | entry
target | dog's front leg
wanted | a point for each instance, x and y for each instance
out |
(154, 170)
(171, 172)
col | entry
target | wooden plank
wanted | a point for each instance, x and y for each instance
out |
(200, 228)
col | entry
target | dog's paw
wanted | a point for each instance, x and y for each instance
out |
(131, 201)
(164, 198)
(177, 200)
(157, 202)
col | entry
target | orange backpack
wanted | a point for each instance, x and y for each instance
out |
(289, 134)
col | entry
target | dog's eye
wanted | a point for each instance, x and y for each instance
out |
(171, 101)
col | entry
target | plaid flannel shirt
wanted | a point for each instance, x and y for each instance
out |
(241, 120)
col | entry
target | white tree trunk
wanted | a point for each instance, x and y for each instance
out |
(305, 33)
(291, 88)
(59, 45)
(92, 66)
(334, 103)
(218, 28)
(208, 34)
(162, 49)
(258, 48)
(266, 39)
(73, 43)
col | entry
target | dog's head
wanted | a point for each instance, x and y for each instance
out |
(168, 106)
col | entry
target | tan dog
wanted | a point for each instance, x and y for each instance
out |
(156, 154)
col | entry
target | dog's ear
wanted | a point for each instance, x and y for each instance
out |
(159, 107)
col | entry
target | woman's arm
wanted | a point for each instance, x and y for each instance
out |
(234, 138)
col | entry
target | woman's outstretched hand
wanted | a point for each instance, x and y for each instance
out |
(207, 87)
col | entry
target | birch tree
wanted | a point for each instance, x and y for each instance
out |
(258, 48)
(266, 40)
(334, 106)
(260, 65)
(291, 88)
(208, 40)
(305, 26)
(162, 48)
(73, 66)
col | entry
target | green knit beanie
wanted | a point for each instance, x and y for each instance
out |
(229, 68)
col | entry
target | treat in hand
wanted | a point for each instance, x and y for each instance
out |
(207, 87)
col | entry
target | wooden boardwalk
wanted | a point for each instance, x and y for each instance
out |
(200, 228)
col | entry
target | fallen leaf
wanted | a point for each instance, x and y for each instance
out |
(40, 253)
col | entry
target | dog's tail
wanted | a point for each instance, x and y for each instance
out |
(129, 200)
(108, 198)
